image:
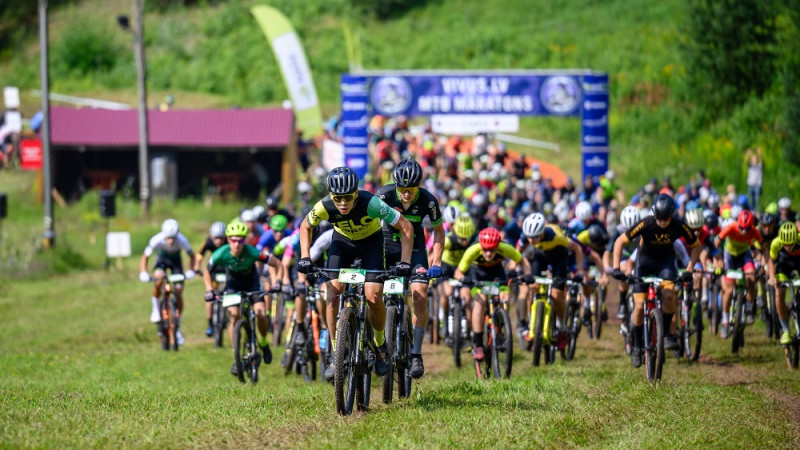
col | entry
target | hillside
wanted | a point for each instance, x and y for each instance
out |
(214, 55)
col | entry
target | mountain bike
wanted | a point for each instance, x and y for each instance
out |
(246, 351)
(792, 350)
(737, 307)
(498, 333)
(433, 314)
(597, 296)
(626, 326)
(543, 317)
(170, 317)
(572, 318)
(690, 322)
(399, 338)
(653, 327)
(713, 293)
(278, 312)
(219, 315)
(457, 329)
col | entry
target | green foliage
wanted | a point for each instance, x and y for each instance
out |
(85, 49)
(790, 75)
(385, 9)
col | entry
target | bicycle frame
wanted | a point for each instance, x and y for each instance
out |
(250, 359)
(170, 317)
(736, 306)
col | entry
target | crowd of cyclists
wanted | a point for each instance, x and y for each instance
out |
(435, 208)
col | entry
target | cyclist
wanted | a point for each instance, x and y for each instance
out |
(656, 256)
(593, 241)
(784, 259)
(242, 264)
(354, 215)
(484, 262)
(739, 237)
(414, 203)
(456, 243)
(785, 212)
(215, 240)
(543, 246)
(628, 218)
(168, 245)
(266, 243)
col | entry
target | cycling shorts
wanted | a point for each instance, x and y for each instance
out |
(165, 263)
(343, 252)
(556, 260)
(787, 264)
(448, 271)
(491, 273)
(244, 283)
(419, 259)
(647, 266)
(743, 261)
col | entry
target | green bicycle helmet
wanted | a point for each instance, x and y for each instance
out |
(464, 226)
(236, 228)
(788, 233)
(278, 223)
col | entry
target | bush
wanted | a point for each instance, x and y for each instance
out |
(86, 48)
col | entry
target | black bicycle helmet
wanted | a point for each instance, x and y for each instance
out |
(712, 221)
(408, 173)
(342, 180)
(768, 219)
(598, 235)
(663, 207)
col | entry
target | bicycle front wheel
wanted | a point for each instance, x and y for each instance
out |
(738, 322)
(403, 352)
(695, 327)
(345, 373)
(173, 323)
(241, 339)
(538, 332)
(391, 353)
(218, 322)
(503, 345)
(456, 332)
(654, 352)
(597, 313)
(573, 324)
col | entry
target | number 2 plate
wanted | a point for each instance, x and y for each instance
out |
(352, 276)
(231, 300)
(394, 286)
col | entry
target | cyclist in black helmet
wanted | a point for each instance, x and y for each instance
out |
(414, 203)
(356, 218)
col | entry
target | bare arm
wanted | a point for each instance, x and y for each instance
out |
(305, 239)
(406, 239)
(438, 245)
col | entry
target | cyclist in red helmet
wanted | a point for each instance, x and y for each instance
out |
(484, 262)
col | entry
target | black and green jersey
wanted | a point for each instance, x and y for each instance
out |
(424, 205)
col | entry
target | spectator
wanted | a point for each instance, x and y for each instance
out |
(755, 172)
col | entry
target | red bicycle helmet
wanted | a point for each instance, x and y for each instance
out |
(489, 238)
(745, 219)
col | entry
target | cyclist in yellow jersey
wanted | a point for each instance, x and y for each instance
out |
(456, 243)
(356, 218)
(484, 262)
(784, 259)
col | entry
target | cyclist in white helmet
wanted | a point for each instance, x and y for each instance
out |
(628, 218)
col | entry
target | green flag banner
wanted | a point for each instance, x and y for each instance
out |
(294, 67)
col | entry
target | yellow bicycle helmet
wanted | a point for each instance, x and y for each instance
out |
(236, 228)
(788, 233)
(464, 226)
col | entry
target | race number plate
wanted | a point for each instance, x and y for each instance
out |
(734, 274)
(176, 278)
(652, 280)
(352, 276)
(394, 286)
(491, 289)
(231, 300)
(453, 282)
(221, 278)
(796, 283)
(544, 281)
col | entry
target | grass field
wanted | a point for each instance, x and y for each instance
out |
(82, 368)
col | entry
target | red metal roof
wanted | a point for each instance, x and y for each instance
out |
(175, 128)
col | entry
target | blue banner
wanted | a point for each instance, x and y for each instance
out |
(524, 95)
(594, 124)
(355, 119)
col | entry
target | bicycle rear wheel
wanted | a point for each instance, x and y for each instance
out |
(218, 318)
(573, 327)
(391, 353)
(457, 332)
(538, 332)
(241, 339)
(346, 374)
(503, 348)
(597, 313)
(695, 327)
(654, 352)
(404, 353)
(738, 322)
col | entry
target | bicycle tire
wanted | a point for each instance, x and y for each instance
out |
(597, 314)
(173, 323)
(773, 312)
(291, 352)
(654, 352)
(538, 332)
(716, 314)
(737, 340)
(345, 375)
(550, 348)
(218, 317)
(279, 321)
(403, 376)
(695, 330)
(573, 328)
(363, 390)
(793, 349)
(457, 331)
(241, 338)
(162, 326)
(433, 318)
(503, 348)
(391, 352)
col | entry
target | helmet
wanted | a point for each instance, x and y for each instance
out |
(583, 211)
(408, 173)
(712, 221)
(236, 228)
(217, 230)
(742, 201)
(464, 227)
(629, 216)
(342, 180)
(663, 207)
(259, 212)
(768, 219)
(745, 219)
(278, 223)
(248, 215)
(450, 214)
(645, 212)
(771, 208)
(788, 233)
(170, 228)
(304, 187)
(694, 218)
(735, 211)
(489, 238)
(713, 200)
(598, 234)
(784, 203)
(479, 200)
(533, 225)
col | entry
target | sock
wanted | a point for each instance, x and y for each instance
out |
(380, 339)
(726, 316)
(155, 303)
(210, 322)
(667, 320)
(784, 324)
(638, 336)
(262, 342)
(419, 336)
(623, 297)
(704, 295)
(558, 323)
(477, 339)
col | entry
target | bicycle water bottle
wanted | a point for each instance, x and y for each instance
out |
(323, 339)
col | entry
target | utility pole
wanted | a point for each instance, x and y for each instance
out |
(144, 159)
(49, 235)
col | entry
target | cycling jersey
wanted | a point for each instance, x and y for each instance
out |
(777, 247)
(583, 239)
(359, 222)
(425, 204)
(656, 242)
(736, 242)
(267, 240)
(453, 251)
(627, 249)
(552, 238)
(159, 244)
(474, 255)
(235, 266)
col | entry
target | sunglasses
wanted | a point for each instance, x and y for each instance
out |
(343, 198)
(407, 190)
(236, 240)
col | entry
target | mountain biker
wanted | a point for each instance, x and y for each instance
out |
(215, 240)
(628, 218)
(656, 257)
(484, 262)
(354, 215)
(414, 203)
(593, 241)
(242, 264)
(456, 243)
(784, 259)
(168, 245)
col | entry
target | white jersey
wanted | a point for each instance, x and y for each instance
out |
(321, 244)
(158, 242)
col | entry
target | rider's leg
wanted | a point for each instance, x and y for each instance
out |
(332, 310)
(377, 310)
(420, 299)
(234, 312)
(478, 308)
(727, 293)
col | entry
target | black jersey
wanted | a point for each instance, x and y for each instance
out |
(656, 242)
(424, 205)
(209, 246)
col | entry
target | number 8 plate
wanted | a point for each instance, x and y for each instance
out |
(352, 276)
(394, 286)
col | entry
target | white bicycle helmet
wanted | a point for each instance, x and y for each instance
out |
(533, 225)
(694, 219)
(784, 203)
(170, 228)
(629, 216)
(735, 210)
(248, 216)
(450, 214)
(583, 211)
(217, 230)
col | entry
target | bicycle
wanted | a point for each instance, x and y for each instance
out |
(399, 338)
(246, 352)
(170, 317)
(573, 323)
(543, 317)
(713, 293)
(737, 307)
(457, 330)
(626, 326)
(596, 305)
(498, 333)
(219, 315)
(433, 314)
(690, 323)
(792, 350)
(653, 327)
(278, 312)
